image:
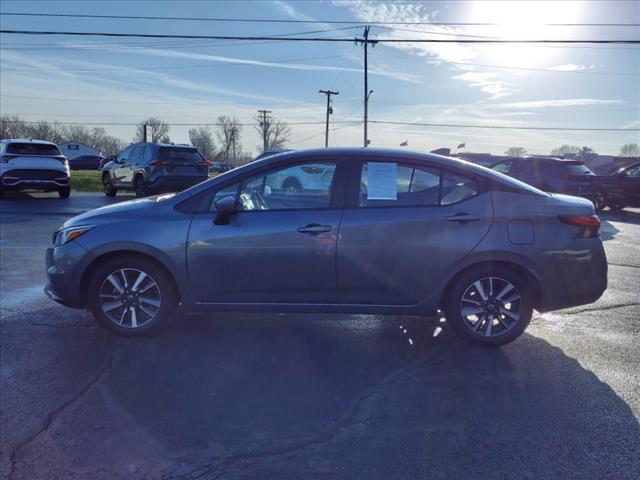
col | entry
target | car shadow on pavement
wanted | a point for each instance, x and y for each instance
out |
(308, 396)
(625, 216)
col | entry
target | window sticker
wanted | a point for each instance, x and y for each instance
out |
(382, 181)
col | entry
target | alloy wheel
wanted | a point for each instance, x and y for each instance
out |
(491, 306)
(130, 298)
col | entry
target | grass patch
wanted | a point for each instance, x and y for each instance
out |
(86, 181)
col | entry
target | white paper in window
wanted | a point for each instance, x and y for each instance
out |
(382, 181)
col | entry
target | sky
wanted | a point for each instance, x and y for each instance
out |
(97, 80)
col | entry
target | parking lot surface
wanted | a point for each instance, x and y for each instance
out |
(312, 396)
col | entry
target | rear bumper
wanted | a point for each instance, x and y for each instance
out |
(34, 180)
(174, 183)
(574, 276)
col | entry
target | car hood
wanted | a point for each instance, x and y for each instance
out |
(129, 210)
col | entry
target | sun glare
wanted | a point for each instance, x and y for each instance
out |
(524, 21)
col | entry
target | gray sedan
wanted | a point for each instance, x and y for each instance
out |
(386, 231)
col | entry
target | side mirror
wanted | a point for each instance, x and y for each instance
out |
(225, 207)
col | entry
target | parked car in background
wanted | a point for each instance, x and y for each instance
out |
(86, 162)
(149, 168)
(33, 165)
(554, 175)
(622, 189)
(220, 167)
(388, 232)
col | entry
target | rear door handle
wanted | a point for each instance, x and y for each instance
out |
(462, 218)
(314, 229)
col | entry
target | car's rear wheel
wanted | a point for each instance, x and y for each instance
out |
(139, 186)
(131, 296)
(616, 206)
(64, 192)
(490, 306)
(107, 186)
(600, 202)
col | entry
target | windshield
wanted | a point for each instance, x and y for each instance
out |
(33, 149)
(169, 154)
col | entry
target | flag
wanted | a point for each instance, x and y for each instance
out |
(462, 145)
(405, 143)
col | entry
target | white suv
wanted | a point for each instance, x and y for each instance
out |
(33, 165)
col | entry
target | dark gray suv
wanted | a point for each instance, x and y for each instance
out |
(386, 231)
(149, 168)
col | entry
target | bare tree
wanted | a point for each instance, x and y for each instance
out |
(630, 150)
(276, 132)
(159, 131)
(50, 131)
(515, 152)
(12, 127)
(228, 134)
(564, 149)
(202, 139)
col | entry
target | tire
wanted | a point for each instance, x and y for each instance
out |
(154, 299)
(64, 192)
(291, 185)
(107, 186)
(139, 187)
(503, 328)
(600, 202)
(616, 207)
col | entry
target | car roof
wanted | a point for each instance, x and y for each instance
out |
(9, 141)
(542, 158)
(174, 145)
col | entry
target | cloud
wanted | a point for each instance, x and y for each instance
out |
(486, 81)
(562, 102)
(571, 67)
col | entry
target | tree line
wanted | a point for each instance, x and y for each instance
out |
(627, 150)
(223, 144)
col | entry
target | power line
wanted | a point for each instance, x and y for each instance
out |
(504, 127)
(313, 39)
(276, 20)
(204, 124)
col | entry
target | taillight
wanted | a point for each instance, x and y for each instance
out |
(157, 162)
(589, 224)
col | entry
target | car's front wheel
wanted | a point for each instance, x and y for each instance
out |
(131, 296)
(490, 306)
(64, 192)
(107, 186)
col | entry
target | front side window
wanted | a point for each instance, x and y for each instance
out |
(302, 186)
(124, 155)
(136, 155)
(633, 172)
(392, 184)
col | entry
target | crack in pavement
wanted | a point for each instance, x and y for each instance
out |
(324, 435)
(53, 414)
(623, 265)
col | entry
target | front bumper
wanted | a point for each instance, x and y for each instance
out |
(66, 265)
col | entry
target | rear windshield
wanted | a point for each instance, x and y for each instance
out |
(32, 149)
(577, 168)
(168, 154)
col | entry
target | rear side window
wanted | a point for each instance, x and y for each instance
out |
(503, 167)
(175, 154)
(391, 184)
(32, 149)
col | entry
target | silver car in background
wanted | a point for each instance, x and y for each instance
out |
(385, 231)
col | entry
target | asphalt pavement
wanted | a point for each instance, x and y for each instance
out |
(248, 396)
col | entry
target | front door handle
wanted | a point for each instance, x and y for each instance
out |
(462, 218)
(314, 229)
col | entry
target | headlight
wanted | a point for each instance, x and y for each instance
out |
(70, 233)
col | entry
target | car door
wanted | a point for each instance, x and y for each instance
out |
(402, 234)
(129, 166)
(278, 247)
(120, 166)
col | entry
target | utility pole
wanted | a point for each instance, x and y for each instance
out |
(365, 41)
(328, 93)
(264, 126)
